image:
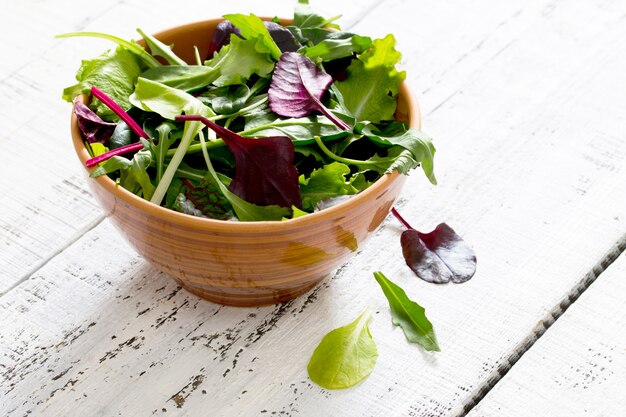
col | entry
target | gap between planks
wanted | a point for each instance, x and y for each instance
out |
(44, 261)
(541, 327)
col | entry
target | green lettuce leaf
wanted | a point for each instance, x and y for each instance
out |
(251, 28)
(239, 60)
(328, 181)
(345, 356)
(370, 89)
(114, 72)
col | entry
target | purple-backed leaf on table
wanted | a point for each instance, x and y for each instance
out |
(93, 127)
(440, 256)
(264, 170)
(297, 87)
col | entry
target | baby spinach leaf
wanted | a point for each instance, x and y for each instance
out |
(122, 136)
(328, 181)
(304, 18)
(297, 87)
(114, 72)
(264, 171)
(300, 130)
(372, 84)
(409, 315)
(226, 100)
(251, 27)
(93, 127)
(440, 256)
(345, 356)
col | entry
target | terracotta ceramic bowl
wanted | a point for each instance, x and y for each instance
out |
(245, 263)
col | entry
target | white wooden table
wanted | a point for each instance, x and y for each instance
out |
(526, 101)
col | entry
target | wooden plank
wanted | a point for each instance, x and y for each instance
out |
(539, 199)
(578, 367)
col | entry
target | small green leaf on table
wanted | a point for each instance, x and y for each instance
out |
(345, 356)
(409, 315)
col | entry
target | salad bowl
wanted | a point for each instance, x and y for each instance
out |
(245, 263)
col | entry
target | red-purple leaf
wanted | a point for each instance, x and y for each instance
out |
(221, 36)
(440, 256)
(298, 86)
(264, 170)
(93, 127)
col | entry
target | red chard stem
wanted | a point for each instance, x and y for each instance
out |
(108, 101)
(400, 218)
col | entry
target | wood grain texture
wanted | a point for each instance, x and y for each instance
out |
(521, 98)
(578, 368)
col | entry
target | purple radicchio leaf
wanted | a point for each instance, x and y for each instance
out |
(281, 35)
(297, 87)
(440, 256)
(264, 170)
(93, 127)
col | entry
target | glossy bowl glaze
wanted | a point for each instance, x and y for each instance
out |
(245, 263)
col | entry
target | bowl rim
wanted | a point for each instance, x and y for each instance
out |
(168, 215)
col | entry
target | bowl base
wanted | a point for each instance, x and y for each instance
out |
(262, 297)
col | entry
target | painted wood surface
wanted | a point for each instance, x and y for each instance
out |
(522, 99)
(578, 368)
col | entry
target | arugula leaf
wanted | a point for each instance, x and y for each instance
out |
(345, 356)
(372, 84)
(251, 27)
(414, 140)
(114, 72)
(133, 175)
(328, 181)
(408, 315)
(158, 48)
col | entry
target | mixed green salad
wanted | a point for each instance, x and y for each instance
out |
(271, 122)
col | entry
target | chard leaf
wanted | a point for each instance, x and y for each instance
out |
(242, 58)
(415, 141)
(345, 356)
(221, 36)
(251, 27)
(372, 84)
(208, 199)
(184, 205)
(440, 256)
(328, 181)
(264, 170)
(114, 72)
(158, 48)
(183, 77)
(93, 127)
(339, 45)
(297, 87)
(282, 37)
(409, 315)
